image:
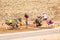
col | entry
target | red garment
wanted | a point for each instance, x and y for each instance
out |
(50, 22)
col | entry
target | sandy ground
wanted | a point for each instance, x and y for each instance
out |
(44, 37)
(23, 28)
(47, 34)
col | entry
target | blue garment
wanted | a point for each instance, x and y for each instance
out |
(26, 23)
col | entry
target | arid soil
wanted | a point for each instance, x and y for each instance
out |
(34, 8)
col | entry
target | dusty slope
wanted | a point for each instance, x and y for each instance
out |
(16, 8)
(34, 8)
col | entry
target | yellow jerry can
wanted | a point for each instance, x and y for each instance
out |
(10, 21)
(21, 23)
(56, 26)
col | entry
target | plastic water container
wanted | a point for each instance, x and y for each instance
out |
(21, 23)
(56, 25)
(10, 21)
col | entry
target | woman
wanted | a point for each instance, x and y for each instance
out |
(26, 17)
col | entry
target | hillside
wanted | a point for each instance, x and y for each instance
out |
(34, 8)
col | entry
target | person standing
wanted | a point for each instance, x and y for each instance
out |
(45, 20)
(26, 17)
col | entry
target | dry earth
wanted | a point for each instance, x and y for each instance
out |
(17, 9)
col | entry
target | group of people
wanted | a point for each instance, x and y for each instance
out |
(37, 21)
(44, 17)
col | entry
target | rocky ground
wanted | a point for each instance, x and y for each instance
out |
(16, 9)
